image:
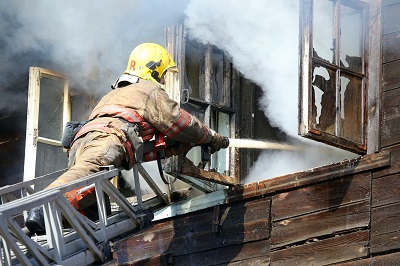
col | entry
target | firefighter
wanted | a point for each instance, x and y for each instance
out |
(137, 101)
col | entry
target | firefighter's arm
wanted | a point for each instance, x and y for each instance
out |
(179, 125)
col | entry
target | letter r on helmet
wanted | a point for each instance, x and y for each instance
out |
(132, 65)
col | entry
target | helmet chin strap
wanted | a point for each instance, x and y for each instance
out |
(150, 78)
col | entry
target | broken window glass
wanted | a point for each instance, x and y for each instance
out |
(323, 29)
(332, 51)
(351, 115)
(351, 38)
(324, 97)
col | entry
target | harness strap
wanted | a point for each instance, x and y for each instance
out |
(128, 114)
(116, 110)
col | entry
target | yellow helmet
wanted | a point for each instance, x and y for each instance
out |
(150, 60)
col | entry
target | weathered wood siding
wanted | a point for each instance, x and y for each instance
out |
(390, 71)
(317, 217)
(224, 234)
(385, 204)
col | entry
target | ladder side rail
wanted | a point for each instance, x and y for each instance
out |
(88, 180)
(202, 185)
(24, 188)
(16, 207)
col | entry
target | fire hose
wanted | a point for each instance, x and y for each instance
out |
(159, 144)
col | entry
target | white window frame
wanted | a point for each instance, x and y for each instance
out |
(32, 134)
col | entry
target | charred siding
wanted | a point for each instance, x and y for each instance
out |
(317, 217)
(390, 71)
(385, 213)
(219, 235)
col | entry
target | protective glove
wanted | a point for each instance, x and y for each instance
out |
(218, 142)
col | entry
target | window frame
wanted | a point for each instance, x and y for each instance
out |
(208, 101)
(32, 134)
(372, 70)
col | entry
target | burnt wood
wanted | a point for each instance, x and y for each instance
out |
(394, 163)
(327, 195)
(391, 18)
(252, 253)
(320, 224)
(391, 47)
(390, 132)
(327, 251)
(239, 223)
(188, 168)
(390, 77)
(381, 260)
(386, 260)
(385, 228)
(391, 104)
(311, 177)
(385, 219)
(384, 243)
(386, 190)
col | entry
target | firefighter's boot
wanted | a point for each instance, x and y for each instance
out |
(35, 221)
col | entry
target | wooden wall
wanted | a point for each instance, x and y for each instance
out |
(390, 73)
(229, 233)
(319, 217)
(385, 204)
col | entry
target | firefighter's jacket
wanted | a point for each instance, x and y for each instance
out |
(147, 105)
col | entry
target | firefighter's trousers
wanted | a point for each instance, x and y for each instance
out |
(86, 156)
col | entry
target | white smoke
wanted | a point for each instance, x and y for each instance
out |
(262, 39)
(70, 36)
(260, 35)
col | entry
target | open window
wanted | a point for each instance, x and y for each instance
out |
(204, 89)
(335, 93)
(48, 111)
